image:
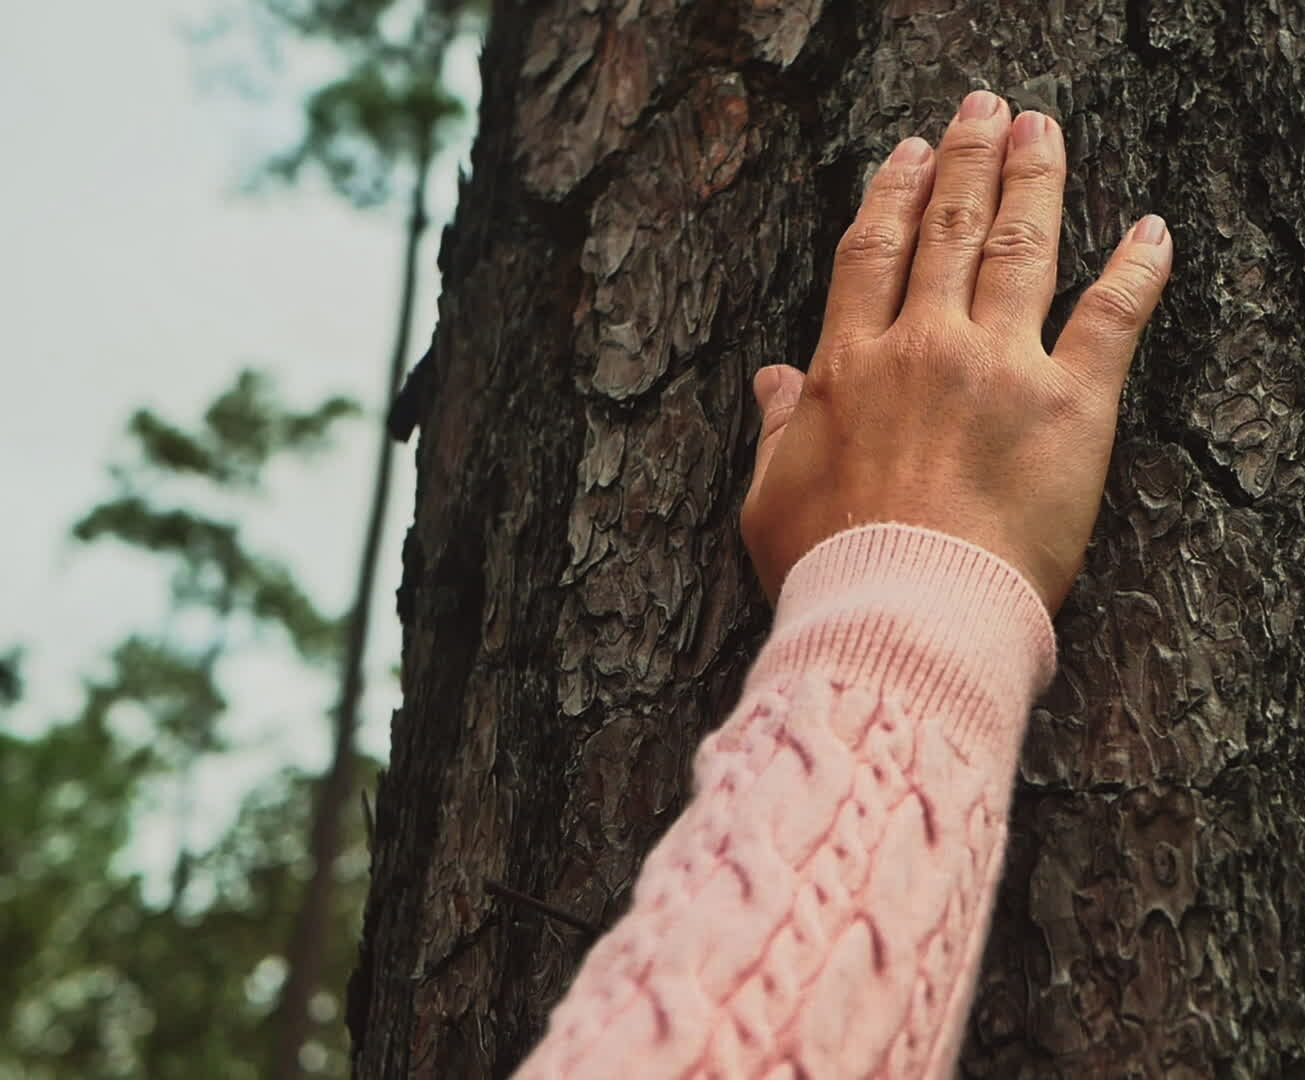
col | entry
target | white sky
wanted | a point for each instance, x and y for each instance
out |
(132, 273)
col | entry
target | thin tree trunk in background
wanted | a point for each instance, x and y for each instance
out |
(184, 807)
(657, 192)
(337, 785)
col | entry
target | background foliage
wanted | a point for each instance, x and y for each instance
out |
(99, 982)
(99, 979)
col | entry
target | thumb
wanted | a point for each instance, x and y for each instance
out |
(777, 389)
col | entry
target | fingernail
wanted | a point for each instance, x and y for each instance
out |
(1027, 127)
(1150, 230)
(978, 105)
(912, 151)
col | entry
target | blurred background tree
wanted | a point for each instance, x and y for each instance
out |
(98, 981)
(240, 970)
(379, 122)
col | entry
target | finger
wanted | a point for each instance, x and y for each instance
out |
(1097, 343)
(962, 206)
(1017, 271)
(873, 257)
(777, 389)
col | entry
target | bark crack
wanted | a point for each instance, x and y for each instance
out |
(1137, 15)
(1222, 478)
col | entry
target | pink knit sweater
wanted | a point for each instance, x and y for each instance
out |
(820, 908)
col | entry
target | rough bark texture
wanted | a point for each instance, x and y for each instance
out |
(658, 187)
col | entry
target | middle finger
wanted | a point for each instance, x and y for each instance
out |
(964, 203)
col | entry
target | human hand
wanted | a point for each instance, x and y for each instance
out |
(930, 400)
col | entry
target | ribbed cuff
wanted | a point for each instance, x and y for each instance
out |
(957, 631)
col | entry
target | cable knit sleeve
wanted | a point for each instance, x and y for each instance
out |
(820, 908)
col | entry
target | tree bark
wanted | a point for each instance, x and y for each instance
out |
(658, 188)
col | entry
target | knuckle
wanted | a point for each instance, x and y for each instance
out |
(895, 181)
(836, 356)
(1026, 169)
(948, 219)
(1112, 301)
(823, 380)
(971, 147)
(1018, 239)
(1143, 274)
(870, 239)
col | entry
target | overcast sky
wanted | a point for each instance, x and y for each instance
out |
(133, 273)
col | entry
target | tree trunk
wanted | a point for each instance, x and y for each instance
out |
(658, 188)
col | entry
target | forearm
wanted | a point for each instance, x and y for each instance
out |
(822, 903)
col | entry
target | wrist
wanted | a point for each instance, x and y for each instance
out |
(947, 626)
